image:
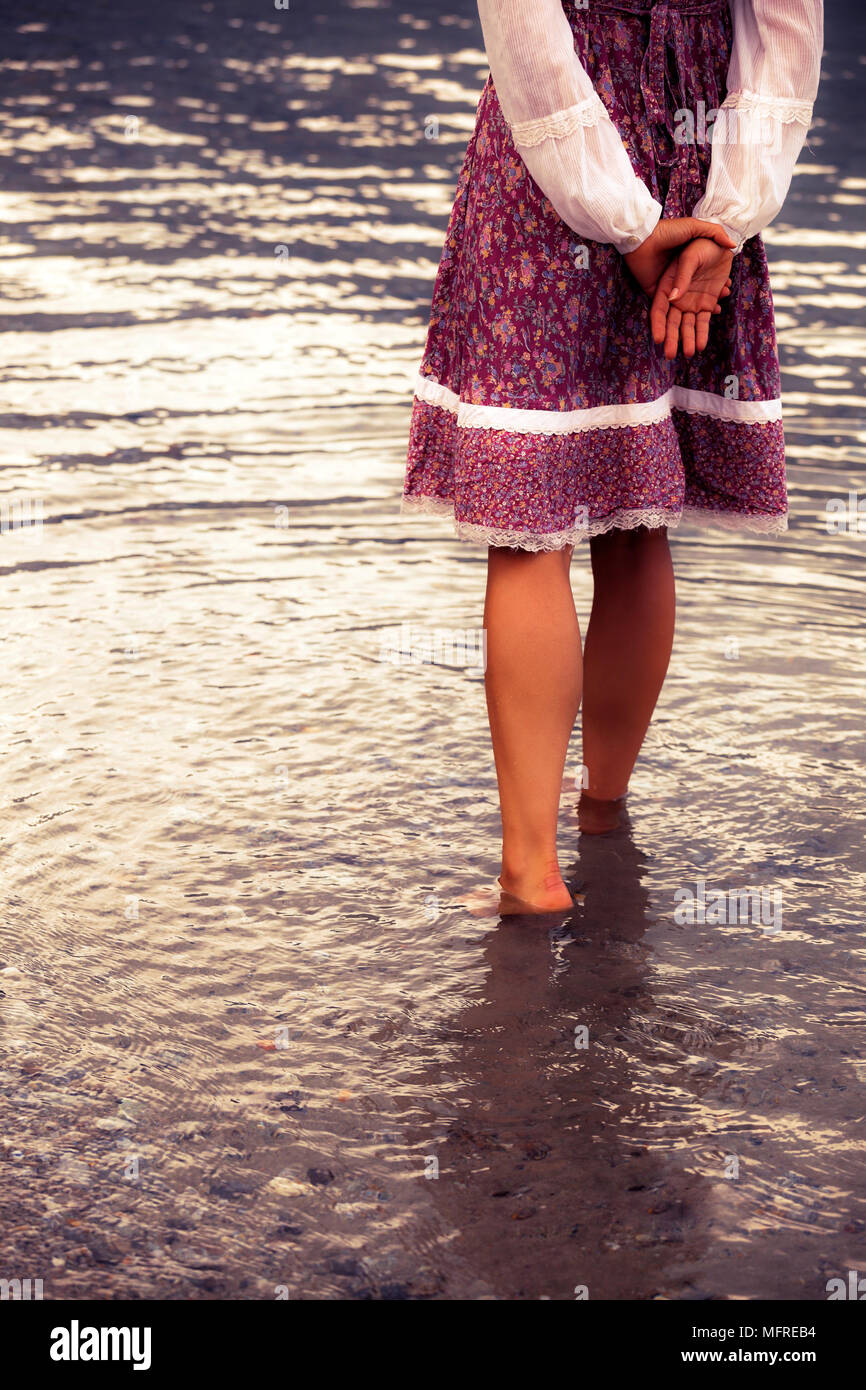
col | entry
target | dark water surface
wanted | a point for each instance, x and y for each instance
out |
(245, 1010)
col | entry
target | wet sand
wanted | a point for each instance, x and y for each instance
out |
(252, 1038)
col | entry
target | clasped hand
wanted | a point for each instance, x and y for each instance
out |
(684, 267)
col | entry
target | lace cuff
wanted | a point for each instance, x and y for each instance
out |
(784, 109)
(559, 124)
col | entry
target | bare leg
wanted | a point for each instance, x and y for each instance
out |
(533, 695)
(628, 647)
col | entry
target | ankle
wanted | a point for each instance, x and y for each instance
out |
(540, 869)
(596, 814)
(520, 854)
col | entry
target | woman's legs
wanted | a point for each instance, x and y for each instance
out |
(627, 650)
(533, 694)
(533, 685)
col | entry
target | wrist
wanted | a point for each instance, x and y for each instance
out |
(733, 232)
(735, 236)
(631, 241)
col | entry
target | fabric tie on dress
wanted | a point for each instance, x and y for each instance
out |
(666, 59)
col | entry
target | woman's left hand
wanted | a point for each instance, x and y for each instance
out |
(687, 295)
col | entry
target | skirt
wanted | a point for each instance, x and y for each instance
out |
(543, 412)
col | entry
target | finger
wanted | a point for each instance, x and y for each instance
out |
(678, 230)
(687, 334)
(673, 231)
(659, 316)
(672, 332)
(703, 330)
(685, 266)
(715, 233)
(659, 308)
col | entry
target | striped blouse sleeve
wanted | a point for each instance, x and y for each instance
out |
(761, 125)
(560, 126)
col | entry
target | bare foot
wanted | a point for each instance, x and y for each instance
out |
(484, 902)
(496, 902)
(522, 895)
(597, 817)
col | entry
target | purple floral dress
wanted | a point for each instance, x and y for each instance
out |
(543, 411)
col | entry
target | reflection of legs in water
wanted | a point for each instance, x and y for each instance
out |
(562, 1131)
(533, 693)
(628, 647)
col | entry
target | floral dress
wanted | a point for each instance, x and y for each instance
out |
(543, 412)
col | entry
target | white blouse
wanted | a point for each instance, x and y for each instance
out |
(576, 156)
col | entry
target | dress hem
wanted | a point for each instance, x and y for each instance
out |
(625, 519)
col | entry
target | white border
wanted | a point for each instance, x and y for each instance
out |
(600, 417)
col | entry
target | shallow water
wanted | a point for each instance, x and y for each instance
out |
(245, 1011)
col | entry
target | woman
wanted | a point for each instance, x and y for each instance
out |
(601, 360)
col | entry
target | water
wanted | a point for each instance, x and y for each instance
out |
(246, 1011)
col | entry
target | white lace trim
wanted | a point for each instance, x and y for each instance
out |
(760, 523)
(599, 417)
(625, 520)
(558, 124)
(784, 109)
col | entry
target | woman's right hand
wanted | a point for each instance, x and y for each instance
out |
(650, 260)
